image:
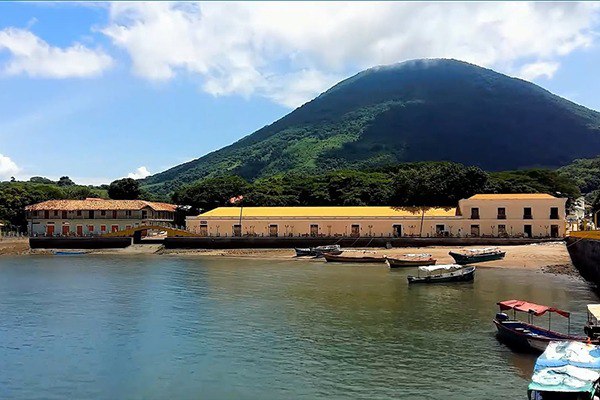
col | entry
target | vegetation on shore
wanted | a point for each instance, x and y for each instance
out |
(409, 184)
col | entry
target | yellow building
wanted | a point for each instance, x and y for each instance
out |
(510, 215)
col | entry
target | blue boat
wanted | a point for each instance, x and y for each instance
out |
(69, 253)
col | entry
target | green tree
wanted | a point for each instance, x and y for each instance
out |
(65, 181)
(124, 189)
(211, 192)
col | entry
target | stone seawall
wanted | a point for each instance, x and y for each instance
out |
(585, 254)
(79, 242)
(291, 242)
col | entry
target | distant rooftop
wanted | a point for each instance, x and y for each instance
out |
(384, 211)
(511, 196)
(100, 204)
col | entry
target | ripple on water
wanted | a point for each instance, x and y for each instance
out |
(105, 327)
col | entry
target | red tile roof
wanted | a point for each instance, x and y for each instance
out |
(100, 204)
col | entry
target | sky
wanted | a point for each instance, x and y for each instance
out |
(101, 91)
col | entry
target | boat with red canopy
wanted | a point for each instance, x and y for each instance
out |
(525, 335)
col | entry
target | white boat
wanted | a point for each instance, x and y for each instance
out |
(443, 273)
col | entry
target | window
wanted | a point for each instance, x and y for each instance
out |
(79, 230)
(502, 230)
(355, 230)
(527, 213)
(554, 231)
(55, 213)
(102, 228)
(474, 212)
(439, 230)
(114, 228)
(553, 212)
(90, 228)
(64, 215)
(314, 230)
(35, 213)
(46, 214)
(474, 230)
(273, 231)
(103, 213)
(50, 229)
(128, 213)
(79, 213)
(501, 213)
(91, 214)
(237, 230)
(144, 214)
(114, 213)
(397, 230)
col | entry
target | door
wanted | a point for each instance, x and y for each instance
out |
(554, 231)
(355, 230)
(527, 231)
(114, 228)
(79, 230)
(314, 230)
(90, 229)
(237, 230)
(474, 230)
(397, 230)
(203, 230)
(273, 230)
(65, 230)
(439, 230)
(50, 230)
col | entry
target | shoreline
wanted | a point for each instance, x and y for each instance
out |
(551, 257)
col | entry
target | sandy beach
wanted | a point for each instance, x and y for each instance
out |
(550, 257)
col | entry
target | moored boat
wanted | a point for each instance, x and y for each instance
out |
(526, 336)
(317, 251)
(410, 260)
(566, 370)
(471, 256)
(443, 273)
(355, 257)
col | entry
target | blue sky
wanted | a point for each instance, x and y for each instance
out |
(101, 91)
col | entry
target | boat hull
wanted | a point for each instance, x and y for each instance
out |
(398, 263)
(340, 258)
(463, 259)
(525, 337)
(464, 275)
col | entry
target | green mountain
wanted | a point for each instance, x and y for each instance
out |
(421, 110)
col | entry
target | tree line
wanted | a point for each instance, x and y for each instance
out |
(409, 184)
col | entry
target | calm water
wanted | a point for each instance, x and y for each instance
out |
(99, 327)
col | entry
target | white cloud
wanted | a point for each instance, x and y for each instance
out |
(139, 173)
(538, 69)
(8, 167)
(291, 51)
(33, 56)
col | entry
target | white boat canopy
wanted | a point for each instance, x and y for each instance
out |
(440, 268)
(593, 313)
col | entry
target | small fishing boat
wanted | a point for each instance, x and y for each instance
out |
(317, 251)
(410, 260)
(355, 257)
(69, 253)
(566, 370)
(525, 335)
(471, 256)
(443, 273)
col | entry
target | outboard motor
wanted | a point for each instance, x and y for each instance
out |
(501, 317)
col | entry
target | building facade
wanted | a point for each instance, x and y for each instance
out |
(91, 217)
(482, 215)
